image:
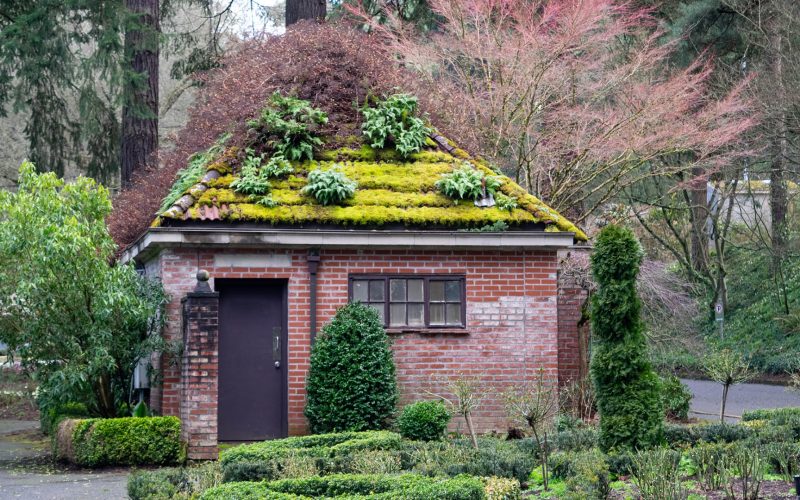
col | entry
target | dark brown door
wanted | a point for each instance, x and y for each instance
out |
(252, 360)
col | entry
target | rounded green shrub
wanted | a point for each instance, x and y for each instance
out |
(676, 397)
(99, 442)
(423, 420)
(351, 382)
(628, 390)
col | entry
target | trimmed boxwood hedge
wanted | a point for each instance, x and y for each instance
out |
(127, 441)
(265, 460)
(774, 415)
(376, 486)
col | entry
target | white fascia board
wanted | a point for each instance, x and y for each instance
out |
(157, 238)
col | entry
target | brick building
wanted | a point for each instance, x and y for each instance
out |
(251, 285)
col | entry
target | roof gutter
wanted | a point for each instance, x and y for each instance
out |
(155, 239)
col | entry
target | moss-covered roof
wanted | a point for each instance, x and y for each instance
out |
(391, 191)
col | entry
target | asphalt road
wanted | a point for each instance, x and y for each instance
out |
(26, 472)
(707, 396)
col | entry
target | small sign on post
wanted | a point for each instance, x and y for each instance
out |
(719, 314)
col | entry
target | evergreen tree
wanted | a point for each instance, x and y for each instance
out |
(351, 382)
(628, 390)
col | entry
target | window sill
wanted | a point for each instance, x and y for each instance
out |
(428, 331)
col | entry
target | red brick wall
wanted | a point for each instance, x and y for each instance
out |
(512, 319)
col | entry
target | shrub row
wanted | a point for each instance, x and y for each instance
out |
(775, 415)
(120, 441)
(324, 452)
(405, 486)
(173, 482)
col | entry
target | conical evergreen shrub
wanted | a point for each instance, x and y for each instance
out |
(627, 388)
(351, 382)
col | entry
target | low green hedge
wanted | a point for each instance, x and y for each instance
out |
(775, 415)
(377, 486)
(173, 482)
(127, 441)
(325, 452)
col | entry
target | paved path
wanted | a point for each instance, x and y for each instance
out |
(27, 472)
(741, 397)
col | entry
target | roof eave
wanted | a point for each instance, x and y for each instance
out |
(155, 239)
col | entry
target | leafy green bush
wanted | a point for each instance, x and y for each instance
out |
(774, 415)
(324, 453)
(329, 187)
(628, 390)
(49, 417)
(82, 323)
(405, 486)
(181, 482)
(676, 397)
(466, 183)
(423, 420)
(680, 436)
(722, 433)
(494, 457)
(393, 120)
(127, 441)
(287, 126)
(575, 439)
(588, 477)
(501, 488)
(252, 180)
(351, 381)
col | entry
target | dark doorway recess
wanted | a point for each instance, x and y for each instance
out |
(252, 359)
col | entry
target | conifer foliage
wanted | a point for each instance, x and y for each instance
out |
(351, 383)
(628, 390)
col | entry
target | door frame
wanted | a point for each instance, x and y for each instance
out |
(284, 284)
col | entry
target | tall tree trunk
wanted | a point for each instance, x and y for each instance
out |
(304, 9)
(140, 108)
(778, 198)
(699, 215)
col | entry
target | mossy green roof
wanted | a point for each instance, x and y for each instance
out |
(391, 191)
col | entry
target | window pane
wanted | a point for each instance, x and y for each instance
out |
(379, 308)
(415, 291)
(397, 290)
(437, 314)
(360, 290)
(453, 291)
(453, 314)
(416, 315)
(376, 291)
(397, 314)
(437, 291)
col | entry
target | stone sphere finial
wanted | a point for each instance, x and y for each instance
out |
(202, 285)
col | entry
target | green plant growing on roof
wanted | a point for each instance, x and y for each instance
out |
(467, 183)
(392, 119)
(192, 173)
(286, 125)
(252, 179)
(277, 166)
(329, 187)
(504, 202)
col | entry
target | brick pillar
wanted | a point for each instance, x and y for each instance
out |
(199, 370)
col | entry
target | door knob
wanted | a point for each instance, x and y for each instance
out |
(277, 364)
